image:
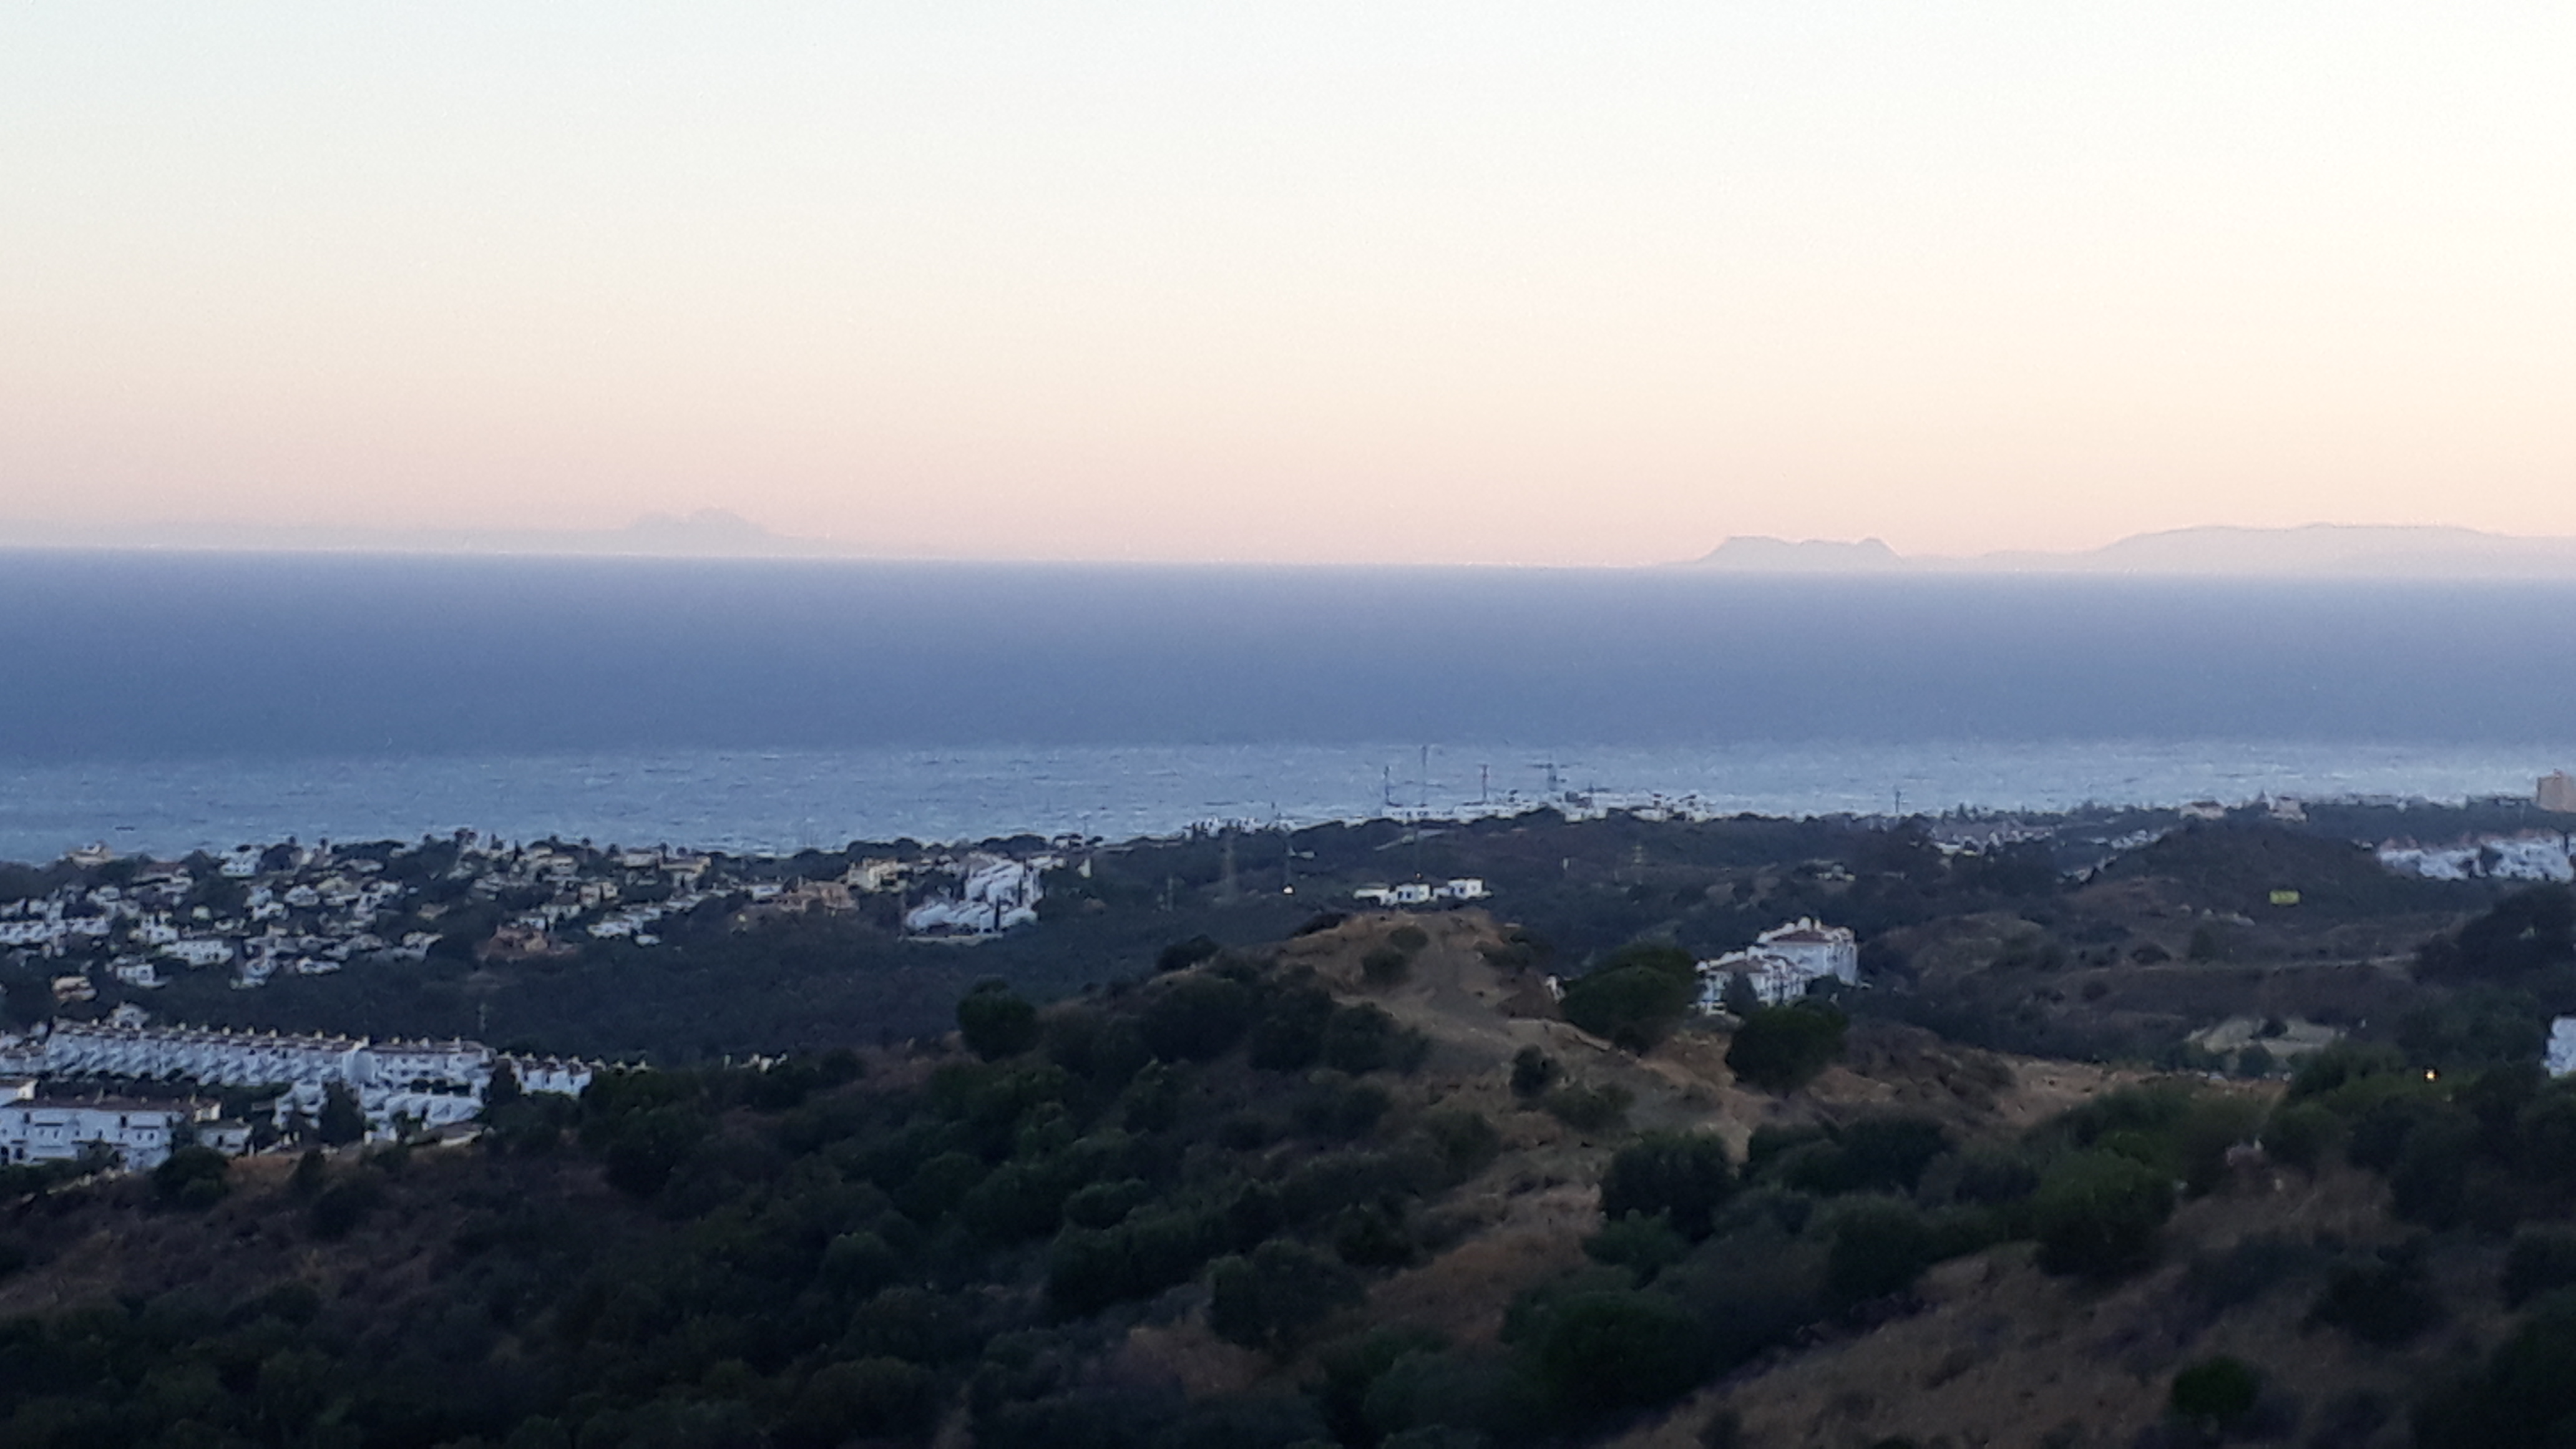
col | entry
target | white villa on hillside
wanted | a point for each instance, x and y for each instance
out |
(1782, 963)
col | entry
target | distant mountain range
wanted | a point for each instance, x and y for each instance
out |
(2318, 550)
(707, 533)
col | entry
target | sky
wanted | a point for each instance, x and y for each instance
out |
(1387, 282)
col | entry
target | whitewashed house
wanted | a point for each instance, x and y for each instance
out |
(140, 1135)
(1782, 963)
(2560, 1055)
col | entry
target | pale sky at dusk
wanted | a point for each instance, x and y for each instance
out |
(1324, 282)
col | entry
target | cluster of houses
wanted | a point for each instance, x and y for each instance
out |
(2533, 855)
(261, 912)
(1423, 893)
(395, 1085)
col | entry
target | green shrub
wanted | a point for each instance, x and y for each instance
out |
(2541, 1260)
(2381, 1300)
(1600, 1352)
(1467, 1143)
(1643, 1245)
(1364, 1038)
(1682, 1177)
(1384, 966)
(868, 1399)
(192, 1177)
(1274, 1297)
(1341, 1110)
(1182, 955)
(1590, 1109)
(1290, 1035)
(2301, 1134)
(2097, 1214)
(996, 1022)
(1880, 1245)
(1408, 939)
(1197, 1018)
(1632, 1006)
(1782, 1048)
(2214, 1392)
(1533, 1072)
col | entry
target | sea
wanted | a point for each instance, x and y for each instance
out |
(159, 702)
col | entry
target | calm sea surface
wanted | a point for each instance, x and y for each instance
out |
(160, 702)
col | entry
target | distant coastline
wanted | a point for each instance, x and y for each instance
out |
(2317, 550)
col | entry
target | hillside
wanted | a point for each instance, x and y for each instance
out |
(1358, 1187)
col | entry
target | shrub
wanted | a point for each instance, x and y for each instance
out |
(1782, 1048)
(2541, 1260)
(2382, 1301)
(192, 1177)
(1590, 1109)
(1533, 1072)
(2525, 1394)
(1342, 1110)
(342, 1206)
(1643, 1245)
(868, 1399)
(1182, 955)
(1598, 1352)
(1290, 1035)
(1632, 1006)
(1408, 939)
(1880, 1246)
(2097, 1214)
(1197, 1018)
(1384, 966)
(996, 1022)
(1278, 1294)
(1683, 1177)
(2301, 1134)
(1468, 1144)
(1361, 1039)
(2214, 1392)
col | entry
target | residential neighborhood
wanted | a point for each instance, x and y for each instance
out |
(398, 1086)
(262, 912)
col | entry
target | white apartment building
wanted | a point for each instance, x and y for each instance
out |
(140, 1134)
(1782, 963)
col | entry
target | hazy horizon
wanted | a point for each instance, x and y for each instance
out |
(1416, 284)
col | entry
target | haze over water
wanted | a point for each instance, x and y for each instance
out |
(163, 701)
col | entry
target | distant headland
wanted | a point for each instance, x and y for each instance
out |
(2317, 550)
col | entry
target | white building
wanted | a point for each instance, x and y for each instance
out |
(994, 894)
(1782, 963)
(431, 1082)
(1464, 888)
(2560, 1055)
(140, 1134)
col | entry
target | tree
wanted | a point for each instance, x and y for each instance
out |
(342, 1121)
(996, 1022)
(1616, 1350)
(1272, 1298)
(1683, 1176)
(2097, 1214)
(2215, 1392)
(1782, 1048)
(1880, 1246)
(1634, 997)
(502, 1091)
(191, 1177)
(1198, 1017)
(1741, 1000)
(1533, 1072)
